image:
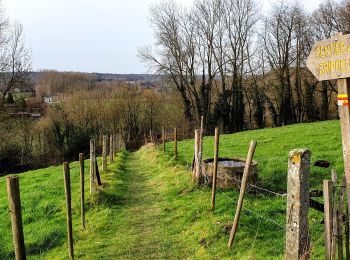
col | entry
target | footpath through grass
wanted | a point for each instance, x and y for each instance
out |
(148, 207)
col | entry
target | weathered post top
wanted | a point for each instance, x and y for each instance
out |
(330, 59)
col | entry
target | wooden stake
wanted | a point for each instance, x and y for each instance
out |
(82, 194)
(163, 139)
(328, 216)
(215, 168)
(92, 167)
(114, 144)
(97, 174)
(175, 143)
(341, 219)
(111, 159)
(104, 153)
(344, 114)
(197, 156)
(335, 217)
(119, 146)
(67, 190)
(242, 191)
(14, 199)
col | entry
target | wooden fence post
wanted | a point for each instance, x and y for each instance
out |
(111, 159)
(104, 153)
(242, 191)
(97, 173)
(175, 143)
(67, 190)
(341, 219)
(197, 156)
(328, 216)
(163, 139)
(297, 229)
(215, 167)
(14, 199)
(335, 216)
(92, 167)
(82, 194)
(119, 147)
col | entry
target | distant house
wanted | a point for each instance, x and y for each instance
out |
(56, 98)
(48, 100)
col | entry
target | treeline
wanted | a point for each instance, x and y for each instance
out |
(241, 69)
(84, 109)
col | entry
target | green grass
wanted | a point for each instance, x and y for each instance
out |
(148, 207)
(274, 144)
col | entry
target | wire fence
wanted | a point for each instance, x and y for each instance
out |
(265, 217)
(261, 188)
(43, 230)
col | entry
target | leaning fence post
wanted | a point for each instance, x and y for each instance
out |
(82, 184)
(104, 153)
(175, 143)
(328, 216)
(297, 229)
(14, 199)
(242, 191)
(67, 190)
(92, 167)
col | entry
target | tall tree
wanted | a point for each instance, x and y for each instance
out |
(15, 62)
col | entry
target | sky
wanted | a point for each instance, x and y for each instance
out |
(91, 35)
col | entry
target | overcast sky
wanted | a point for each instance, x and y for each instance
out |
(90, 35)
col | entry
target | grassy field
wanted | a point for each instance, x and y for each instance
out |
(148, 207)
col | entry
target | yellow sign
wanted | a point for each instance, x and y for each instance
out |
(330, 59)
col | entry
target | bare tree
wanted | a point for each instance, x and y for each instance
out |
(175, 54)
(278, 41)
(15, 63)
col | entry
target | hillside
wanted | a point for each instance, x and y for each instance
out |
(149, 207)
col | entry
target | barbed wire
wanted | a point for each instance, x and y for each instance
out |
(256, 235)
(254, 213)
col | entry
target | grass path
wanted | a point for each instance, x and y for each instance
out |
(142, 212)
(132, 216)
